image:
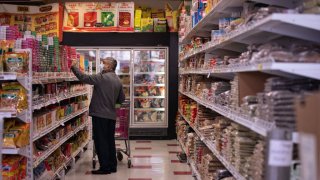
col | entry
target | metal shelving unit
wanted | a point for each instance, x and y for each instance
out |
(277, 26)
(46, 154)
(259, 126)
(222, 9)
(211, 146)
(193, 167)
(58, 99)
(61, 122)
(27, 80)
(309, 70)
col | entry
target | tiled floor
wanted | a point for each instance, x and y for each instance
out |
(152, 160)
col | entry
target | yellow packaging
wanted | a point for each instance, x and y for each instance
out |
(137, 20)
(146, 13)
(23, 139)
(146, 25)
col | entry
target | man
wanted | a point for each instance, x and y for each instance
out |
(107, 91)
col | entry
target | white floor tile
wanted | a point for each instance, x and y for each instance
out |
(160, 162)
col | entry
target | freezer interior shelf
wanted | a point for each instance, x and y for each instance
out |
(149, 109)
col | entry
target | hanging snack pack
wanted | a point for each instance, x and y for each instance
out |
(109, 14)
(16, 62)
(89, 14)
(126, 16)
(13, 96)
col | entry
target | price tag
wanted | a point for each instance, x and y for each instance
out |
(260, 67)
(280, 153)
(308, 150)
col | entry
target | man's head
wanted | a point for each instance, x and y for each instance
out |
(109, 64)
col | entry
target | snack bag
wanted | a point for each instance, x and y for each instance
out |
(13, 96)
(23, 138)
(15, 62)
(89, 15)
(9, 140)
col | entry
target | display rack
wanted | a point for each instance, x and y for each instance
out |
(277, 26)
(259, 126)
(193, 167)
(27, 80)
(211, 146)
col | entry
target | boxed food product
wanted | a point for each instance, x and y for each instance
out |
(126, 16)
(160, 25)
(72, 14)
(137, 20)
(89, 14)
(109, 14)
(146, 25)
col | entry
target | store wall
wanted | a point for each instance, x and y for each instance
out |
(169, 40)
(146, 3)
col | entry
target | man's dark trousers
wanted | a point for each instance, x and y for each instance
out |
(103, 136)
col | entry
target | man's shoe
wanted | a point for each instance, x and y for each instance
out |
(113, 170)
(101, 172)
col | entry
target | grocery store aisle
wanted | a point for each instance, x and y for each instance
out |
(152, 160)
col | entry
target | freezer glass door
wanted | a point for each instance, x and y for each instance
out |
(123, 58)
(149, 88)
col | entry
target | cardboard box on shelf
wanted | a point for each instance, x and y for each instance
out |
(308, 123)
(160, 25)
(109, 14)
(251, 83)
(137, 20)
(126, 16)
(146, 25)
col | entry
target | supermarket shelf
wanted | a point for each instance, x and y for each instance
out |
(56, 146)
(273, 26)
(158, 85)
(227, 164)
(125, 85)
(259, 126)
(149, 109)
(122, 74)
(13, 113)
(53, 175)
(5, 76)
(149, 97)
(151, 73)
(59, 123)
(210, 19)
(310, 70)
(153, 60)
(183, 147)
(53, 79)
(211, 146)
(194, 169)
(20, 151)
(192, 164)
(76, 153)
(58, 99)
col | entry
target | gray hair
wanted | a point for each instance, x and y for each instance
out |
(111, 60)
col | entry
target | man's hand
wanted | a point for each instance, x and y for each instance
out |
(74, 63)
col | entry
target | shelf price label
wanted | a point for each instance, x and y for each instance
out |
(280, 153)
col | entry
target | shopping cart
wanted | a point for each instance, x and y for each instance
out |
(121, 133)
